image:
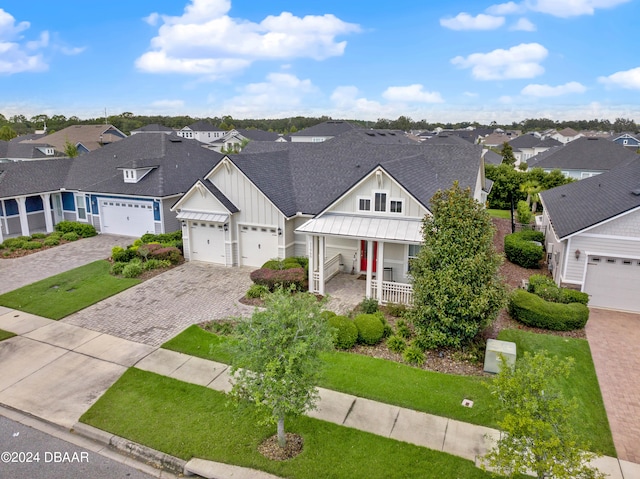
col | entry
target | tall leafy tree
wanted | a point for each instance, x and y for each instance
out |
(7, 133)
(538, 435)
(277, 358)
(457, 290)
(70, 149)
(507, 154)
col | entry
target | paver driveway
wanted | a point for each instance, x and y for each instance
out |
(18, 272)
(614, 338)
(158, 309)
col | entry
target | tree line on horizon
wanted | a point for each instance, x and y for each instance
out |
(127, 121)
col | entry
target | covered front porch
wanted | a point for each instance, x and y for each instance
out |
(377, 249)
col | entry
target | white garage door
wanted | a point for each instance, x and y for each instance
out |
(207, 242)
(129, 218)
(258, 244)
(613, 283)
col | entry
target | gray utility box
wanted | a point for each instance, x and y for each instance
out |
(496, 348)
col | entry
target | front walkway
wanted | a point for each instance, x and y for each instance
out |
(614, 338)
(345, 292)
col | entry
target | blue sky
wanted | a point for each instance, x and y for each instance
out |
(439, 61)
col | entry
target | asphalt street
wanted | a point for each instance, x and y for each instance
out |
(28, 453)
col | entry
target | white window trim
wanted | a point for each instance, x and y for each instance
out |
(80, 198)
(368, 198)
(398, 200)
(373, 202)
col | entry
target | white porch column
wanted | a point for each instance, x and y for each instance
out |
(3, 220)
(310, 251)
(321, 265)
(369, 268)
(380, 270)
(22, 211)
(46, 207)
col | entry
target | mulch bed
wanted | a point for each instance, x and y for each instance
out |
(19, 253)
(271, 450)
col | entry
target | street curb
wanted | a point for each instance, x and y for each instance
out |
(138, 451)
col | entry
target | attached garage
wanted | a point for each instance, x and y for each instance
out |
(258, 244)
(207, 242)
(612, 282)
(126, 217)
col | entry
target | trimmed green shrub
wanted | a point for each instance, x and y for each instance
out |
(402, 329)
(257, 291)
(568, 296)
(116, 268)
(287, 263)
(83, 230)
(534, 311)
(369, 305)
(396, 310)
(121, 255)
(326, 314)
(523, 213)
(370, 328)
(132, 270)
(32, 245)
(24, 238)
(520, 249)
(412, 354)
(170, 253)
(396, 344)
(38, 236)
(165, 239)
(51, 241)
(345, 332)
(13, 243)
(284, 278)
(70, 236)
(155, 264)
(274, 264)
(546, 288)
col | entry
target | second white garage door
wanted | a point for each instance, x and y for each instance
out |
(258, 244)
(128, 218)
(613, 283)
(207, 242)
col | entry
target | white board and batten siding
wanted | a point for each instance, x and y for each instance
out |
(257, 221)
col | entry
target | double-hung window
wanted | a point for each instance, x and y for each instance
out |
(380, 202)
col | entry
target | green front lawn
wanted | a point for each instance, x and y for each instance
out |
(505, 214)
(5, 335)
(437, 393)
(186, 421)
(60, 295)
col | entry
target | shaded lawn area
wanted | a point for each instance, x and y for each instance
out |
(188, 421)
(504, 214)
(5, 335)
(65, 293)
(438, 393)
(590, 420)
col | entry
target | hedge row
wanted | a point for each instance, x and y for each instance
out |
(285, 278)
(548, 290)
(520, 249)
(534, 311)
(83, 230)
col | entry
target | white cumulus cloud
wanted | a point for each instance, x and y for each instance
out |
(571, 8)
(521, 61)
(17, 56)
(206, 40)
(411, 93)
(629, 79)
(464, 21)
(509, 8)
(524, 25)
(541, 91)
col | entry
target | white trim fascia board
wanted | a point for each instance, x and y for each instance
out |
(216, 166)
(365, 178)
(34, 194)
(613, 237)
(571, 282)
(362, 214)
(565, 258)
(359, 238)
(619, 215)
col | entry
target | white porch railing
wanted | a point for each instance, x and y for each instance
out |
(392, 292)
(331, 268)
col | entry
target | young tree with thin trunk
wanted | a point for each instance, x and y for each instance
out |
(276, 362)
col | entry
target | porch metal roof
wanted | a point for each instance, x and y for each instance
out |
(195, 215)
(365, 227)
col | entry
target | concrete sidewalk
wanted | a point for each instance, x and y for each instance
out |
(72, 367)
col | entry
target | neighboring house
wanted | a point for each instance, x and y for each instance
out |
(352, 204)
(14, 151)
(565, 135)
(495, 140)
(628, 140)
(201, 130)
(491, 157)
(583, 158)
(85, 137)
(527, 146)
(124, 188)
(472, 135)
(153, 128)
(234, 139)
(592, 231)
(322, 132)
(444, 138)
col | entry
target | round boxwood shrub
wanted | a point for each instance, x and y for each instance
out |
(534, 311)
(520, 248)
(117, 267)
(83, 230)
(51, 241)
(15, 243)
(70, 236)
(370, 328)
(345, 332)
(121, 255)
(326, 314)
(32, 245)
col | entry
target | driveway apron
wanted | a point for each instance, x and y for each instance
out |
(614, 338)
(161, 307)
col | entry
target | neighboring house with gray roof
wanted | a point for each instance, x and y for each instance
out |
(26, 151)
(492, 158)
(125, 188)
(84, 137)
(583, 158)
(201, 130)
(564, 136)
(153, 128)
(322, 131)
(354, 203)
(233, 139)
(628, 140)
(529, 145)
(592, 234)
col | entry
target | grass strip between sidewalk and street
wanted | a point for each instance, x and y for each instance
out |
(187, 420)
(65, 293)
(437, 393)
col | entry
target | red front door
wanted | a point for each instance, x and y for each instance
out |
(363, 255)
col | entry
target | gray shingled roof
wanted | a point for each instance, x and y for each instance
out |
(91, 136)
(152, 128)
(583, 154)
(492, 158)
(226, 202)
(531, 141)
(576, 206)
(202, 125)
(254, 134)
(32, 177)
(326, 128)
(308, 177)
(445, 138)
